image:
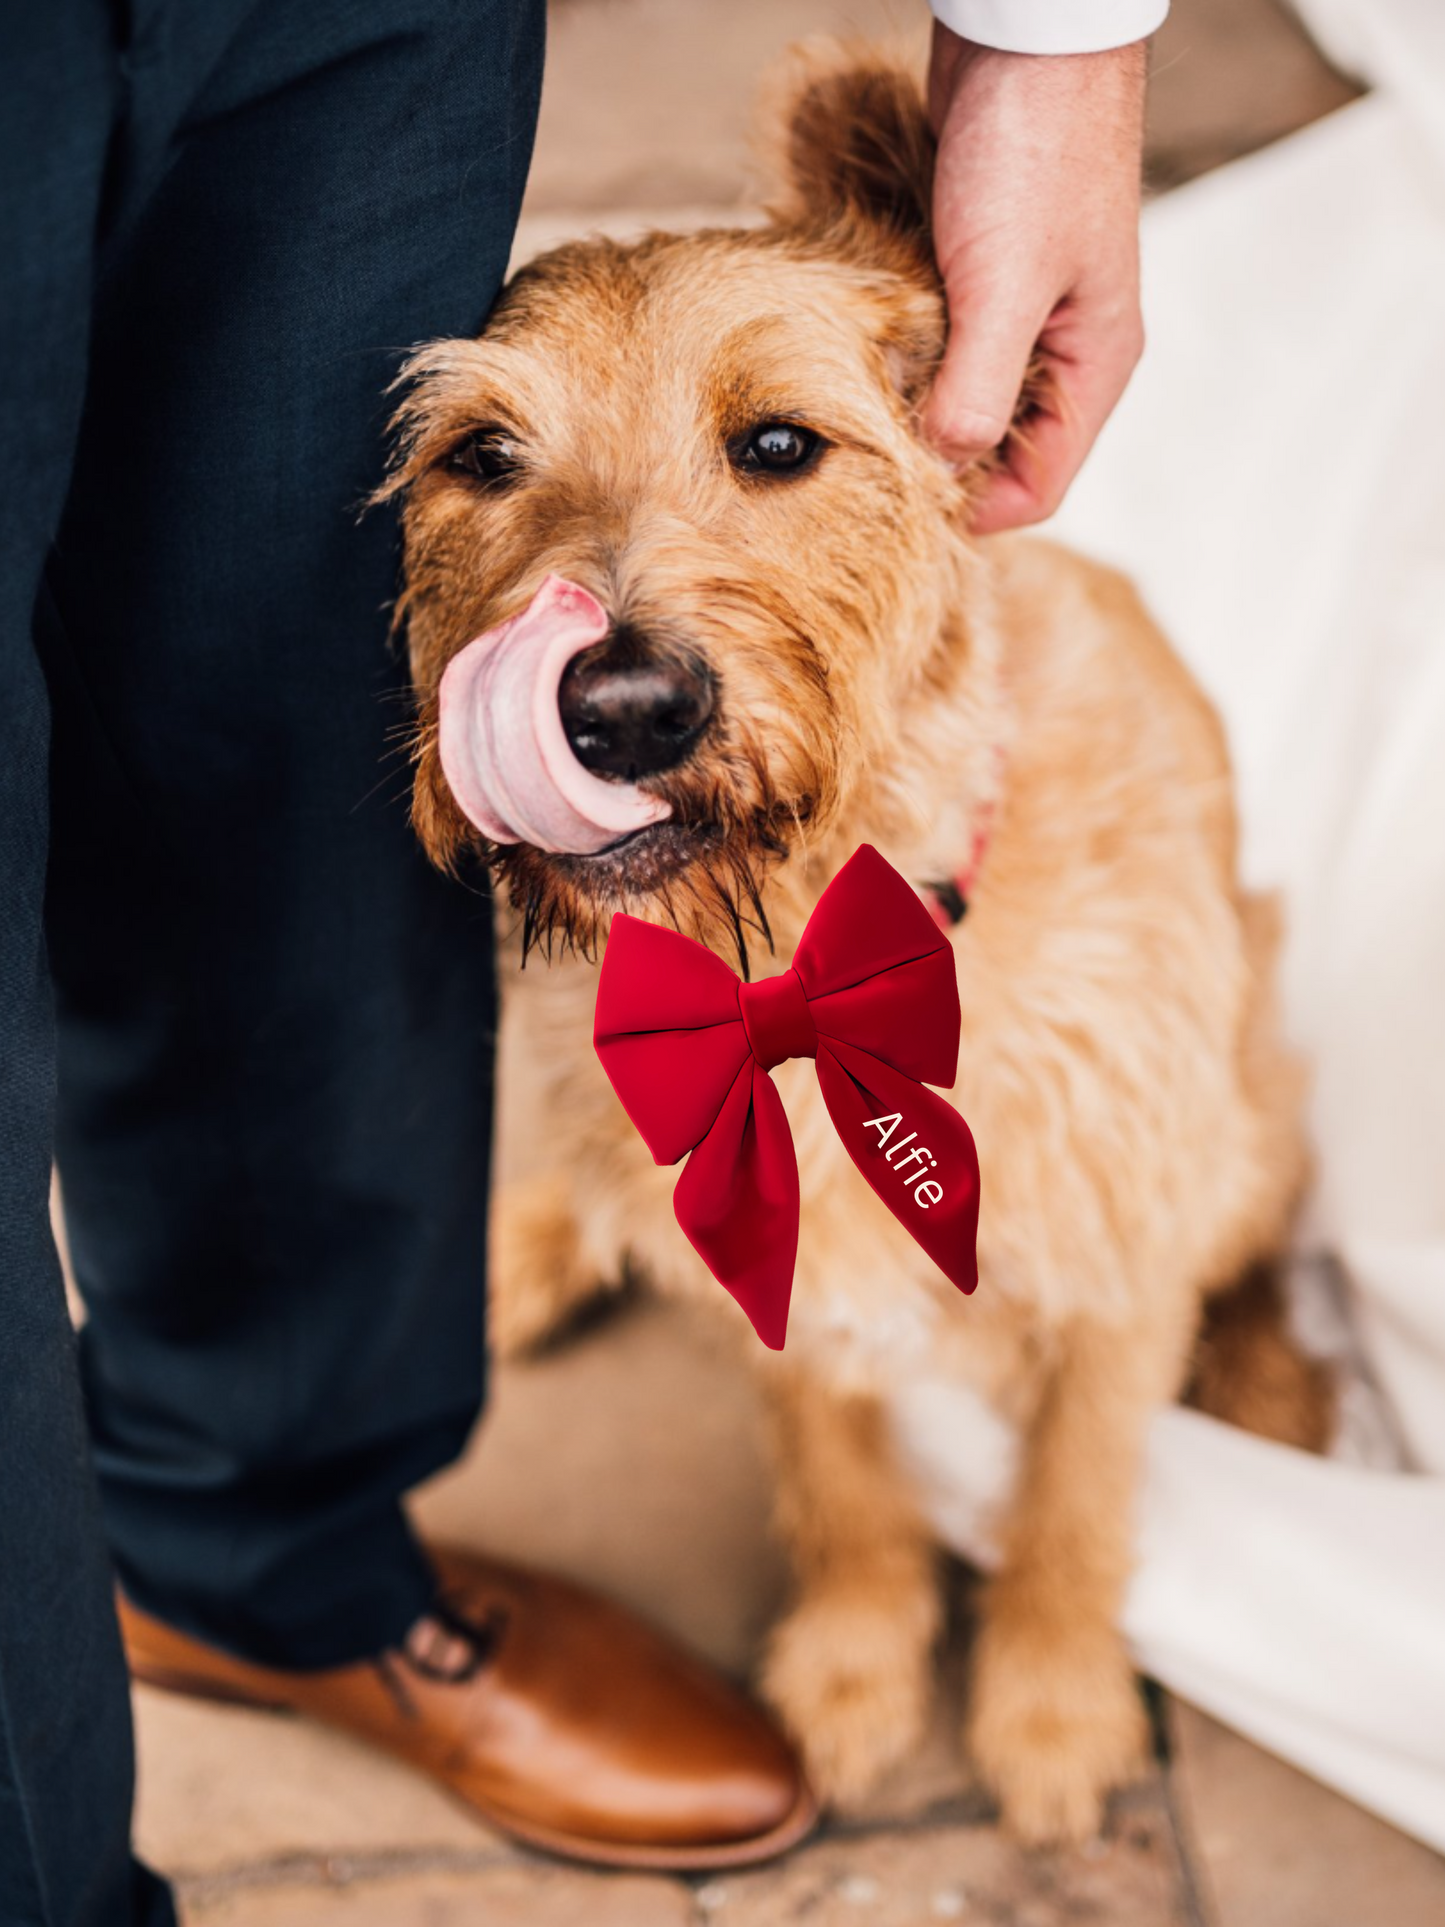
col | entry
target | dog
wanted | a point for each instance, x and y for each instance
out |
(715, 436)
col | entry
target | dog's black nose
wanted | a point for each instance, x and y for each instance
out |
(629, 711)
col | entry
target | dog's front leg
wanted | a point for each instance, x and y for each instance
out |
(540, 1273)
(850, 1668)
(1055, 1716)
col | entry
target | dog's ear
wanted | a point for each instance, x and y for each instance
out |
(849, 152)
(846, 141)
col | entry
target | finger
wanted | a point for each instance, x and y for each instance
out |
(1032, 476)
(1044, 454)
(971, 404)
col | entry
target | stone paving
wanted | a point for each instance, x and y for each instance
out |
(628, 1457)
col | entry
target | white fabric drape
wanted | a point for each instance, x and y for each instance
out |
(1275, 481)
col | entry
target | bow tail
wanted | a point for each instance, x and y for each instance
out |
(737, 1202)
(903, 1137)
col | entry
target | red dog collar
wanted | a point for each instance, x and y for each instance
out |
(948, 902)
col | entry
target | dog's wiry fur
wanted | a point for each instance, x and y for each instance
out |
(880, 678)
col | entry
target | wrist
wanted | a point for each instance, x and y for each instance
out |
(1113, 79)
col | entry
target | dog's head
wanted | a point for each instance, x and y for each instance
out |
(712, 441)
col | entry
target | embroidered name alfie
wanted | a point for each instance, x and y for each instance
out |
(930, 1191)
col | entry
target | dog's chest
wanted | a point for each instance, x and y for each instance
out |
(863, 1301)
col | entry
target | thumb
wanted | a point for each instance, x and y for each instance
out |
(976, 390)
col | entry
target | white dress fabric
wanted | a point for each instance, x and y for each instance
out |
(1275, 482)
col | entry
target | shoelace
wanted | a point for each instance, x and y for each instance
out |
(446, 1621)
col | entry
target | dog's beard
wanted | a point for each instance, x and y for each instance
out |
(702, 870)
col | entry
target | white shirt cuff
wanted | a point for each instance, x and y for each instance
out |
(1052, 26)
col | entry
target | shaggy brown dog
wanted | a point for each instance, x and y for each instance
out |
(717, 435)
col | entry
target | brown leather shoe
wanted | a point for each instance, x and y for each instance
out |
(569, 1723)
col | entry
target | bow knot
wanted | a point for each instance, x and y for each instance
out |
(777, 1019)
(872, 997)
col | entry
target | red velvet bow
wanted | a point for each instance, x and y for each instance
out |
(872, 997)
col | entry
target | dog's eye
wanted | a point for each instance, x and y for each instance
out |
(776, 448)
(487, 455)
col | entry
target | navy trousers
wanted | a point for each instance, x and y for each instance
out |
(236, 1007)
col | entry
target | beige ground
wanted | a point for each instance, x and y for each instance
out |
(627, 1457)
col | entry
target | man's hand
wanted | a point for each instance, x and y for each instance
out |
(1036, 228)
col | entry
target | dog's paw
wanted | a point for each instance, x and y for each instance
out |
(537, 1280)
(849, 1673)
(1052, 1728)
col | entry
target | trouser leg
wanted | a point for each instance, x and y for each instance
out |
(276, 1023)
(65, 1741)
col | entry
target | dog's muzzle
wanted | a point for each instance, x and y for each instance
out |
(505, 751)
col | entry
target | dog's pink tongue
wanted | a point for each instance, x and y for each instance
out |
(504, 751)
